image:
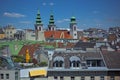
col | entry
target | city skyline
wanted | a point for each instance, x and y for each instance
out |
(88, 13)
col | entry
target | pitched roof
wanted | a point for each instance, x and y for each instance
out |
(82, 56)
(85, 44)
(86, 55)
(112, 59)
(32, 48)
(60, 34)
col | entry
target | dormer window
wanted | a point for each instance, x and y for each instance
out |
(58, 62)
(74, 62)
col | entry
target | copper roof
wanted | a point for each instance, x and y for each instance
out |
(32, 48)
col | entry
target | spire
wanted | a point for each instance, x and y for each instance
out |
(73, 20)
(38, 18)
(51, 25)
(51, 21)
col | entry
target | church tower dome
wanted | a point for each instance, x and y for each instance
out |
(38, 24)
(51, 25)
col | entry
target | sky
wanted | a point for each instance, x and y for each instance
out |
(88, 13)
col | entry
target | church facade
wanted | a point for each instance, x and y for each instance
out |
(52, 33)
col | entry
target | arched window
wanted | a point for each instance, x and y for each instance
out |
(74, 61)
(58, 61)
(74, 28)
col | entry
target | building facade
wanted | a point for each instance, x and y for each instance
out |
(9, 75)
(19, 35)
(7, 69)
(2, 34)
(30, 35)
(9, 32)
(39, 32)
(52, 34)
(79, 65)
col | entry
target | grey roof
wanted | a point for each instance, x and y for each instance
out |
(85, 44)
(75, 56)
(58, 58)
(112, 59)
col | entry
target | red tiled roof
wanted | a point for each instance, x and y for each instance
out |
(58, 34)
(32, 48)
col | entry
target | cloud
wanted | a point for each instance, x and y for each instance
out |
(51, 4)
(96, 12)
(25, 22)
(14, 15)
(66, 19)
(43, 3)
(63, 20)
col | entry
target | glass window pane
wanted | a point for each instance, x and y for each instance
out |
(7, 76)
(102, 78)
(82, 78)
(2, 76)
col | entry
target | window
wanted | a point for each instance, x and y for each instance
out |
(102, 78)
(82, 78)
(75, 64)
(72, 78)
(61, 78)
(92, 78)
(75, 28)
(58, 64)
(61, 63)
(16, 75)
(74, 61)
(112, 78)
(95, 63)
(11, 36)
(2, 76)
(55, 78)
(7, 76)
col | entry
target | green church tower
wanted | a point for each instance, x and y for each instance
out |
(51, 25)
(73, 27)
(38, 24)
(39, 32)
